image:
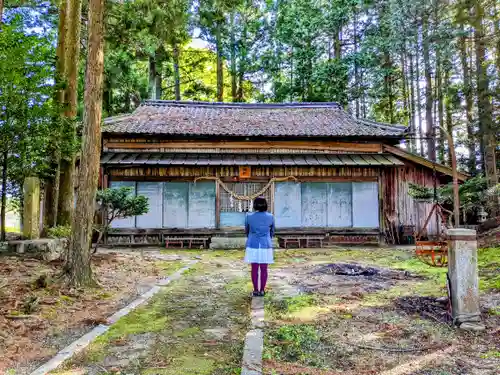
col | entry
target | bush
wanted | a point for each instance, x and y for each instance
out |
(61, 231)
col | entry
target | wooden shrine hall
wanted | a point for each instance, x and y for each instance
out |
(328, 177)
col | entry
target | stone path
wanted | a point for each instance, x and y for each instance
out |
(83, 342)
(254, 340)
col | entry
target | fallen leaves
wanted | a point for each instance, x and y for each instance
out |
(55, 311)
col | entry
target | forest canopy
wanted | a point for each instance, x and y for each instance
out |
(431, 65)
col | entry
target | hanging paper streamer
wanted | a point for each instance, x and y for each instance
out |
(250, 208)
(231, 202)
(240, 206)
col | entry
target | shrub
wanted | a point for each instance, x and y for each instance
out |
(61, 231)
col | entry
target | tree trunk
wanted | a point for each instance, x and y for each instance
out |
(79, 255)
(404, 88)
(152, 77)
(234, 78)
(449, 114)
(158, 82)
(337, 46)
(412, 106)
(420, 132)
(3, 209)
(72, 59)
(1, 12)
(469, 103)
(440, 107)
(388, 86)
(177, 79)
(356, 64)
(486, 124)
(220, 66)
(52, 204)
(430, 130)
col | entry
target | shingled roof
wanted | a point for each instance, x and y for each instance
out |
(247, 120)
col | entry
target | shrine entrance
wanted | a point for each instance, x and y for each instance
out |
(232, 210)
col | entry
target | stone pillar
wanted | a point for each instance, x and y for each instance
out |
(463, 278)
(31, 214)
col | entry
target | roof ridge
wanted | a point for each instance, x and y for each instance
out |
(185, 103)
(381, 125)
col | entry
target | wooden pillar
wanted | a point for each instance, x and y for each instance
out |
(217, 205)
(31, 214)
(272, 195)
(381, 220)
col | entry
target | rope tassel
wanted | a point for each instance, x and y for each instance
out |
(251, 197)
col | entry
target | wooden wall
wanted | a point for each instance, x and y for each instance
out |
(399, 205)
(347, 173)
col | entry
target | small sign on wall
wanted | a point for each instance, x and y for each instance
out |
(245, 172)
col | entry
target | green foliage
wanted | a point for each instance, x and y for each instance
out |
(120, 203)
(25, 104)
(473, 193)
(60, 231)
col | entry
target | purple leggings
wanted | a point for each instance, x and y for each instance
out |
(255, 276)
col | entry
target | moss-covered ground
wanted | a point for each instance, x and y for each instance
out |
(195, 325)
(315, 323)
(334, 324)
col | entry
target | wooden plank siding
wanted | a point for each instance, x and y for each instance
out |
(262, 173)
(399, 204)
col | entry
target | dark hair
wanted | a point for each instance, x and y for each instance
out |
(260, 204)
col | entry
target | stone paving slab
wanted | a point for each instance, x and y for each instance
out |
(254, 340)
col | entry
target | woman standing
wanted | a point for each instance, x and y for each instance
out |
(259, 228)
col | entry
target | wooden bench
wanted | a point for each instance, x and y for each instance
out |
(190, 240)
(298, 240)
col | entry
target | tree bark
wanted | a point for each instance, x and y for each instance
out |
(234, 78)
(412, 106)
(404, 87)
(79, 255)
(3, 209)
(52, 202)
(72, 59)
(486, 124)
(420, 132)
(430, 130)
(152, 77)
(1, 12)
(449, 114)
(469, 103)
(158, 82)
(177, 79)
(220, 65)
(440, 107)
(356, 64)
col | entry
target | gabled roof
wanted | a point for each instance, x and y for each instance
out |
(424, 162)
(161, 117)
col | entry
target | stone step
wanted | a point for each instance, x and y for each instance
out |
(232, 243)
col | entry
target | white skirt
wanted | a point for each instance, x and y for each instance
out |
(261, 255)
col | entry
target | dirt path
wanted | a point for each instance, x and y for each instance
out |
(196, 325)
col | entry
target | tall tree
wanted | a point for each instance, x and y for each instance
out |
(25, 107)
(52, 186)
(72, 59)
(79, 254)
(430, 133)
(486, 123)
